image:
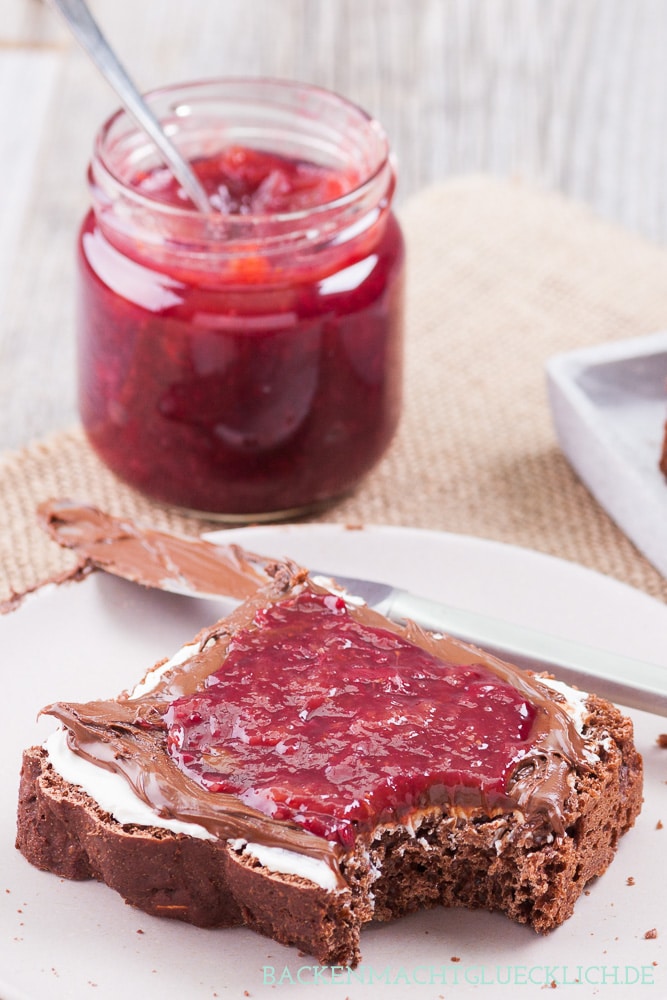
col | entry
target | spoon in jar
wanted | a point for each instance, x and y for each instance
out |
(87, 33)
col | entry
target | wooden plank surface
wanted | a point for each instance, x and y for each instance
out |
(568, 94)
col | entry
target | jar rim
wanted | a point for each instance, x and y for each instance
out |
(108, 184)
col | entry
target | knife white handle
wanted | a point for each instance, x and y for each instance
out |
(621, 679)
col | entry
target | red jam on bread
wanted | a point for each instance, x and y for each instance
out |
(336, 725)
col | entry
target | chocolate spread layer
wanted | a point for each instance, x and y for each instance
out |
(128, 736)
(153, 558)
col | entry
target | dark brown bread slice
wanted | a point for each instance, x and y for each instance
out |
(495, 864)
(206, 883)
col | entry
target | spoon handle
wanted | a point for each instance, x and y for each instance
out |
(87, 32)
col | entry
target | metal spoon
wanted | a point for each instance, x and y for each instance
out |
(86, 31)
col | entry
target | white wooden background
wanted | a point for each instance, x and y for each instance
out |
(568, 94)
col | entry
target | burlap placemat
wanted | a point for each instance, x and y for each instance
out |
(500, 278)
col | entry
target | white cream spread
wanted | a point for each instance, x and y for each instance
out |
(278, 859)
(114, 795)
(152, 678)
(110, 790)
(575, 706)
(329, 584)
(575, 700)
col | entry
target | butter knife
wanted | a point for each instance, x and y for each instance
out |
(198, 568)
(622, 679)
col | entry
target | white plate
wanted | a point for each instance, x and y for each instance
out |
(63, 939)
(609, 405)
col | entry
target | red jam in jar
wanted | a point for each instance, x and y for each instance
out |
(244, 363)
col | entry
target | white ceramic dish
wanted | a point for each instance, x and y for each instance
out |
(609, 405)
(61, 939)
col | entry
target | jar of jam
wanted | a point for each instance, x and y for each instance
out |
(243, 363)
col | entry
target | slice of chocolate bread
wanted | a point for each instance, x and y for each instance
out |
(306, 766)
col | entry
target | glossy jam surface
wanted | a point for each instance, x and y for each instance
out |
(248, 384)
(336, 725)
(241, 181)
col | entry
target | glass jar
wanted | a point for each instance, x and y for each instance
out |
(245, 363)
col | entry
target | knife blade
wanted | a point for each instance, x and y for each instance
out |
(196, 567)
(628, 681)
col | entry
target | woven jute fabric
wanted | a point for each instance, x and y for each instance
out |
(500, 278)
